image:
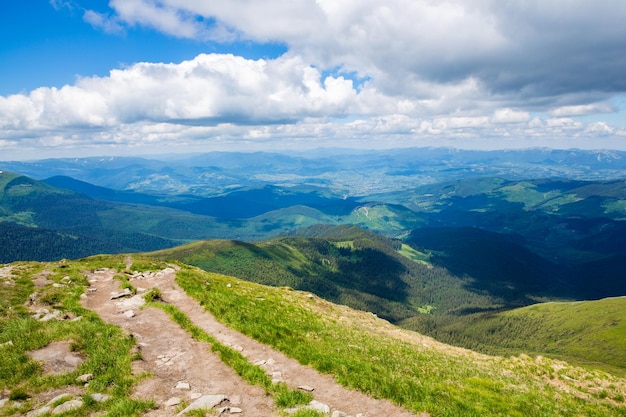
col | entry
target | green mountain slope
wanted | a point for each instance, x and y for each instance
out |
(583, 331)
(348, 265)
(359, 350)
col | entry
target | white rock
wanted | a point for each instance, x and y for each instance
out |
(195, 395)
(59, 398)
(129, 314)
(204, 402)
(173, 401)
(84, 378)
(100, 397)
(318, 406)
(68, 406)
(125, 293)
(235, 410)
(183, 385)
(39, 412)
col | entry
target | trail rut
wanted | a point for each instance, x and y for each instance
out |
(174, 358)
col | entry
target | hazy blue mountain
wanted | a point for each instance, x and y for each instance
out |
(345, 172)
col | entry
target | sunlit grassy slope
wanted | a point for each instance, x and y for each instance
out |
(586, 331)
(360, 350)
(369, 354)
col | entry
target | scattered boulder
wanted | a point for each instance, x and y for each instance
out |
(84, 378)
(204, 402)
(68, 406)
(183, 385)
(125, 293)
(100, 398)
(59, 397)
(173, 401)
(318, 406)
(39, 412)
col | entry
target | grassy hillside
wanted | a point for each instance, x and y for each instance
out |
(368, 354)
(592, 332)
(359, 350)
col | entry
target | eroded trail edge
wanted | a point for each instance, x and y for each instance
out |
(184, 369)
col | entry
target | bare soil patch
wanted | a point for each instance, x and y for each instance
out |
(57, 358)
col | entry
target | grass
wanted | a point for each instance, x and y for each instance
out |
(414, 255)
(368, 354)
(106, 349)
(283, 395)
(361, 351)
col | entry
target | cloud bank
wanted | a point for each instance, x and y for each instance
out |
(366, 72)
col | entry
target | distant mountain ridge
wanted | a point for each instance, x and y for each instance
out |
(351, 172)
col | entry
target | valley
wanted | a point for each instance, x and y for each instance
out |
(516, 254)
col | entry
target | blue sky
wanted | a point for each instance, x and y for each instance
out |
(94, 77)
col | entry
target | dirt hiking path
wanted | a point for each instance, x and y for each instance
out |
(175, 359)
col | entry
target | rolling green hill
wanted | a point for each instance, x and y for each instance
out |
(591, 332)
(344, 264)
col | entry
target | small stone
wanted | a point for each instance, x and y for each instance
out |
(57, 285)
(68, 406)
(173, 401)
(3, 401)
(235, 410)
(39, 412)
(84, 378)
(270, 362)
(195, 395)
(59, 398)
(92, 290)
(338, 413)
(50, 316)
(125, 293)
(9, 343)
(222, 410)
(229, 285)
(129, 314)
(100, 398)
(310, 296)
(318, 406)
(182, 385)
(204, 402)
